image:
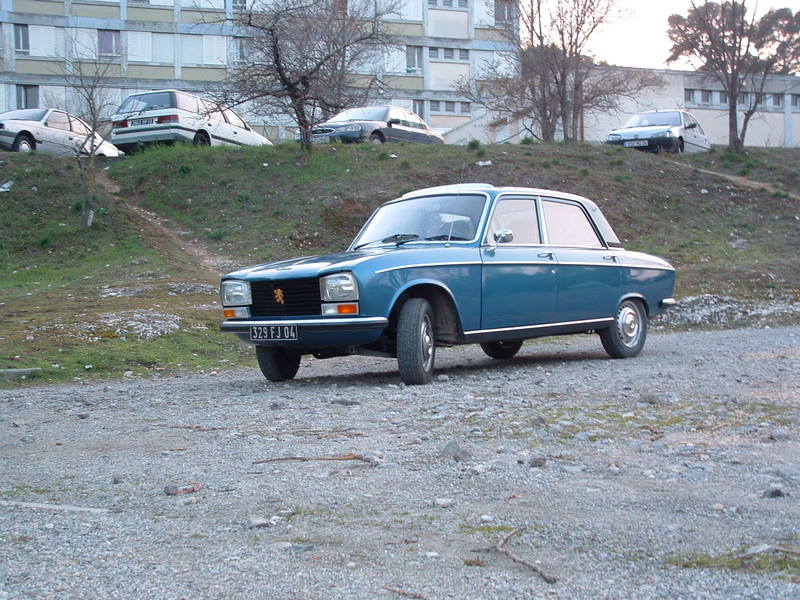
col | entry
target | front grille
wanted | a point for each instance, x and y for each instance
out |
(300, 297)
(322, 130)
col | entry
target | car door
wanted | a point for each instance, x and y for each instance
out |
(397, 129)
(519, 272)
(588, 273)
(240, 133)
(213, 121)
(695, 136)
(56, 137)
(82, 136)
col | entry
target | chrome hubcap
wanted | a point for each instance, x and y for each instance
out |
(628, 325)
(24, 146)
(427, 342)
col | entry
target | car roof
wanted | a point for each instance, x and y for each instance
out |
(465, 188)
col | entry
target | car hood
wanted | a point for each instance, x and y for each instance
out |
(307, 266)
(641, 132)
(338, 124)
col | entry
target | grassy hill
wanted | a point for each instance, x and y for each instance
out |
(175, 216)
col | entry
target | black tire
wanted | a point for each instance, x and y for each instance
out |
(23, 143)
(416, 345)
(501, 350)
(376, 138)
(678, 147)
(276, 363)
(626, 337)
(201, 139)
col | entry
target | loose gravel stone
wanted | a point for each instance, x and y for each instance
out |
(612, 467)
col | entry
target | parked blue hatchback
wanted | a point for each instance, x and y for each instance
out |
(457, 264)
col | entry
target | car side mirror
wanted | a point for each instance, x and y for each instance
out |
(691, 126)
(504, 236)
(391, 122)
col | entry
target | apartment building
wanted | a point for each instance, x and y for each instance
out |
(193, 45)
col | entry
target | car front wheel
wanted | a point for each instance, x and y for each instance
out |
(23, 143)
(501, 350)
(625, 338)
(416, 347)
(277, 364)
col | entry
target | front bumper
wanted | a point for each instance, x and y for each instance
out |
(313, 333)
(662, 144)
(7, 139)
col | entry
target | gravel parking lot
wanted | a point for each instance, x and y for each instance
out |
(608, 475)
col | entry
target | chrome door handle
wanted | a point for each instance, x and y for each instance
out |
(610, 257)
(546, 255)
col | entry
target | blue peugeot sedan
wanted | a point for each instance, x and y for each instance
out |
(457, 264)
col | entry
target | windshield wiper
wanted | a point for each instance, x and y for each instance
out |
(397, 238)
(446, 237)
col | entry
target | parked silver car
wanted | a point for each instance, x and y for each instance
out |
(50, 130)
(171, 115)
(661, 131)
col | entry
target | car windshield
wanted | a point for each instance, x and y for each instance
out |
(447, 217)
(142, 102)
(367, 113)
(656, 119)
(28, 114)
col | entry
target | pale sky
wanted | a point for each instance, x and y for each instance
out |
(638, 38)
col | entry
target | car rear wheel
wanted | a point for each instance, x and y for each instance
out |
(501, 350)
(626, 337)
(416, 347)
(376, 138)
(201, 139)
(277, 364)
(23, 143)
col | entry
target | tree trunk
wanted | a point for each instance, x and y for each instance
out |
(734, 143)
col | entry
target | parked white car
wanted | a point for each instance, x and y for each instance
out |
(171, 115)
(661, 131)
(52, 131)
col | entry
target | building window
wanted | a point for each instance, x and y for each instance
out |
(433, 53)
(503, 11)
(465, 108)
(435, 106)
(777, 100)
(240, 5)
(450, 106)
(705, 97)
(419, 108)
(795, 100)
(688, 95)
(741, 100)
(448, 53)
(27, 96)
(723, 97)
(22, 44)
(463, 3)
(108, 43)
(463, 54)
(447, 2)
(413, 58)
(431, 2)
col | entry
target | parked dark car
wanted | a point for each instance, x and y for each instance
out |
(459, 264)
(52, 131)
(673, 131)
(377, 124)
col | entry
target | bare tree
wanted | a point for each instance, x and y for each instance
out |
(87, 81)
(549, 76)
(738, 51)
(309, 58)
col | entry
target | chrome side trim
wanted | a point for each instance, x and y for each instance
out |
(668, 302)
(331, 322)
(420, 265)
(542, 326)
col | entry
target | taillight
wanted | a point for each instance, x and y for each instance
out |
(168, 119)
(119, 124)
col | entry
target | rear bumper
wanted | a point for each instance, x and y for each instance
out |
(150, 135)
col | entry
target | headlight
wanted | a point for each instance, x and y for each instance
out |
(349, 128)
(663, 134)
(338, 288)
(235, 293)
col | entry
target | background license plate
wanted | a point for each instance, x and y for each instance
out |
(137, 122)
(273, 332)
(636, 143)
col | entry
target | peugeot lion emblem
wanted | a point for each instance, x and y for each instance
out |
(278, 293)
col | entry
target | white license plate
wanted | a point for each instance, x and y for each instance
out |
(137, 122)
(280, 333)
(635, 143)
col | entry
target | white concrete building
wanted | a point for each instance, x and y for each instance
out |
(192, 44)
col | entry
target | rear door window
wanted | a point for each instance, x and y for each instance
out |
(187, 103)
(568, 225)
